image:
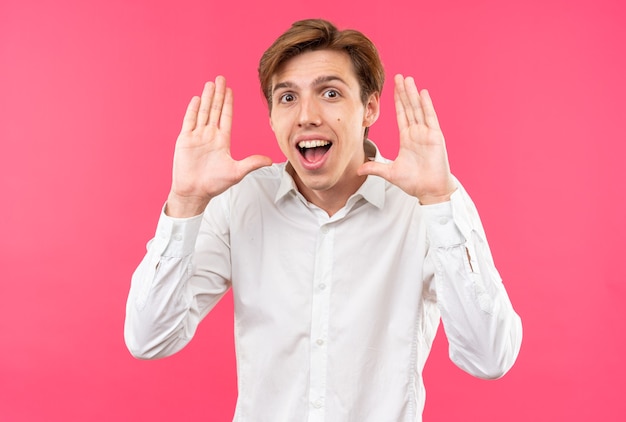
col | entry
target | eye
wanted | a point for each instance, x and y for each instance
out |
(286, 98)
(331, 93)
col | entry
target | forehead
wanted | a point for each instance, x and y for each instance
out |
(309, 66)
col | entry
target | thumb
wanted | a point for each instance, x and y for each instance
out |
(252, 163)
(374, 168)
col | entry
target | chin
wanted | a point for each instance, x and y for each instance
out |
(314, 182)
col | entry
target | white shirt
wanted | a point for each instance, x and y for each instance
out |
(334, 316)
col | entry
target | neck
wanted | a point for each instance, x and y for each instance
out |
(330, 200)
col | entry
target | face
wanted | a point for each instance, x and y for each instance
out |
(319, 121)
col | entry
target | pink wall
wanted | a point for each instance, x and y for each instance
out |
(530, 95)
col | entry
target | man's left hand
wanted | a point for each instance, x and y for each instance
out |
(421, 168)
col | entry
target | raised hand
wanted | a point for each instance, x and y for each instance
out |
(203, 166)
(421, 168)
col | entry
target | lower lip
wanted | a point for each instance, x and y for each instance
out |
(316, 165)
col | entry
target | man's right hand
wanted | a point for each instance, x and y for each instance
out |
(203, 166)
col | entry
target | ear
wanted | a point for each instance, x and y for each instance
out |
(372, 110)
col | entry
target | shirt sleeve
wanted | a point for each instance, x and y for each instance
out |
(170, 293)
(484, 332)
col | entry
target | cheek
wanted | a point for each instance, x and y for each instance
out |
(282, 137)
(275, 124)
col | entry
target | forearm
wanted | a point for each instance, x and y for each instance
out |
(161, 321)
(483, 330)
(168, 298)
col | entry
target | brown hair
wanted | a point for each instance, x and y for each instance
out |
(318, 34)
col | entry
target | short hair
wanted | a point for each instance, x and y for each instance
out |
(318, 34)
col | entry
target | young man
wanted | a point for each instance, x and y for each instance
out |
(341, 262)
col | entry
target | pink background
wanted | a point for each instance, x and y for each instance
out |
(530, 95)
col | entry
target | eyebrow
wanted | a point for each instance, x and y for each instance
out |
(317, 82)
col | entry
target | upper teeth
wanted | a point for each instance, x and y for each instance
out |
(312, 144)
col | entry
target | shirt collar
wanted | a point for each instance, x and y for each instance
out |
(372, 190)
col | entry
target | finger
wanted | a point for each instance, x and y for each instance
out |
(430, 117)
(374, 168)
(226, 118)
(414, 100)
(401, 116)
(218, 101)
(191, 115)
(205, 103)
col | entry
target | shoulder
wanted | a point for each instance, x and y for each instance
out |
(261, 182)
(269, 175)
(255, 191)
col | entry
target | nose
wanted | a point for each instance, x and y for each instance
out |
(309, 113)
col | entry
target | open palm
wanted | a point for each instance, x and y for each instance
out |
(203, 165)
(421, 168)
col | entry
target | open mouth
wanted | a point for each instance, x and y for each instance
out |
(313, 151)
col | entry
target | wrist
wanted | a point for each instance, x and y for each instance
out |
(185, 206)
(438, 197)
(431, 200)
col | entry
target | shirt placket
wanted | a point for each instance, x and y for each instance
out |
(322, 279)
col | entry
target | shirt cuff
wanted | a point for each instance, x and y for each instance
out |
(176, 237)
(445, 222)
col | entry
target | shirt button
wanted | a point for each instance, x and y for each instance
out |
(317, 404)
(178, 237)
(443, 221)
(325, 229)
(322, 286)
(320, 341)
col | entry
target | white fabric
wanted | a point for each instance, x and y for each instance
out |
(334, 317)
